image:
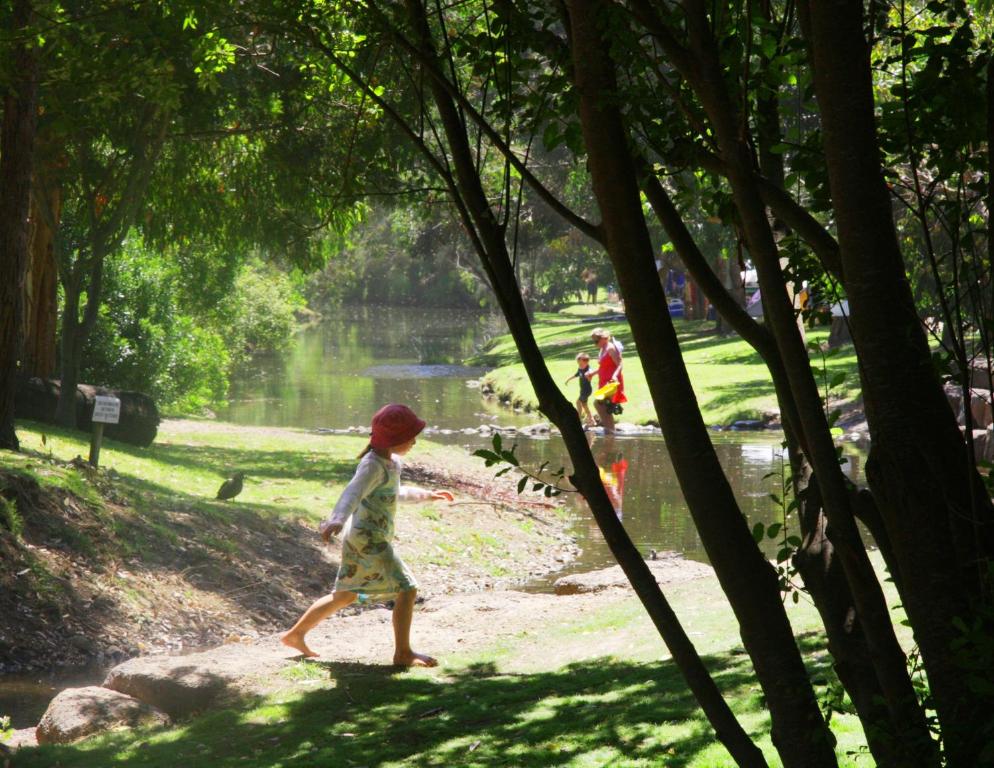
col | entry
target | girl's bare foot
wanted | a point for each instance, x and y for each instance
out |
(412, 659)
(296, 641)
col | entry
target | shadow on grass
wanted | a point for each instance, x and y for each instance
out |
(598, 712)
(719, 398)
(221, 547)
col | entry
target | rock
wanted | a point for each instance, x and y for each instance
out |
(22, 737)
(954, 394)
(980, 408)
(536, 429)
(983, 444)
(668, 568)
(747, 425)
(37, 399)
(174, 684)
(80, 712)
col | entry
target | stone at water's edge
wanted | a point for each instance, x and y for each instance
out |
(22, 737)
(175, 684)
(76, 713)
(670, 567)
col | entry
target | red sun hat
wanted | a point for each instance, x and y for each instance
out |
(394, 424)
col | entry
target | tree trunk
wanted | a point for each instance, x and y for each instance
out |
(707, 79)
(16, 153)
(41, 288)
(37, 400)
(488, 237)
(799, 731)
(814, 560)
(938, 517)
(65, 412)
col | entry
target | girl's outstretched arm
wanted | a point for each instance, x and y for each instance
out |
(368, 476)
(412, 493)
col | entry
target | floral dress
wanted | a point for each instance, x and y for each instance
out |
(366, 509)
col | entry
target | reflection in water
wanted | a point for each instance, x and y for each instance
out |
(655, 513)
(613, 467)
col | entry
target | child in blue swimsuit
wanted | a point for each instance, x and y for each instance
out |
(586, 388)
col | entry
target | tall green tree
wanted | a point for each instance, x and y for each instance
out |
(19, 84)
(703, 93)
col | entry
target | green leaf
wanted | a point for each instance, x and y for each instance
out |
(773, 530)
(757, 532)
(522, 483)
(552, 137)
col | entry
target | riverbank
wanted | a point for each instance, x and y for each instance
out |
(524, 680)
(730, 379)
(138, 557)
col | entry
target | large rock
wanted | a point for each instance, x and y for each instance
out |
(668, 568)
(80, 712)
(980, 408)
(177, 685)
(37, 399)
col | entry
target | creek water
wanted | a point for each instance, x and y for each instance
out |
(343, 368)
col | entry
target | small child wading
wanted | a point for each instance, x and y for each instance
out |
(366, 510)
(583, 373)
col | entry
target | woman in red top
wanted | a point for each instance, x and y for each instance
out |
(608, 370)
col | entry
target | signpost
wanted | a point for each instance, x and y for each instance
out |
(106, 410)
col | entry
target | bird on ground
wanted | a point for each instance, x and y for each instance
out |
(231, 487)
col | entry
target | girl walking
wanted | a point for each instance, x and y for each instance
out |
(365, 511)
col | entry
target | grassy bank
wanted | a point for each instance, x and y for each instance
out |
(729, 378)
(139, 556)
(594, 691)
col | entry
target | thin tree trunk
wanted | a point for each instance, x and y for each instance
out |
(17, 136)
(491, 246)
(704, 72)
(65, 411)
(799, 731)
(938, 517)
(814, 560)
(42, 283)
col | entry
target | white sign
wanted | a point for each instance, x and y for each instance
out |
(107, 410)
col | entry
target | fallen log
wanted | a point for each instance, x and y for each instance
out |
(37, 399)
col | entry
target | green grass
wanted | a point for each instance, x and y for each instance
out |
(729, 378)
(607, 695)
(288, 474)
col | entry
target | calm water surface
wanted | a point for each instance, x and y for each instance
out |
(352, 362)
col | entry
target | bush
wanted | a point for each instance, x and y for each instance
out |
(160, 335)
(259, 317)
